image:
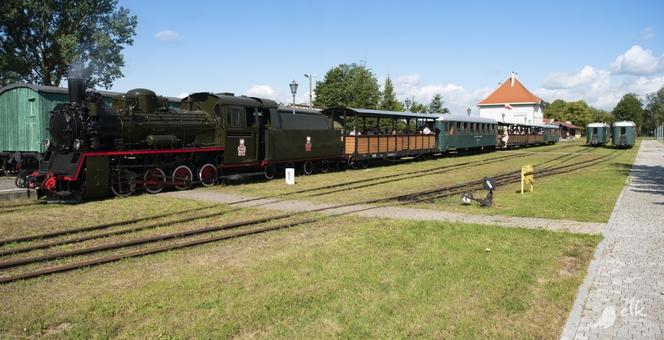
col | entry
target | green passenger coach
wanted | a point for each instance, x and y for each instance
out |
(458, 132)
(623, 134)
(597, 134)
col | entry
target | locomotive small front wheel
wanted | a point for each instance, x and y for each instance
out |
(207, 174)
(154, 180)
(182, 177)
(308, 167)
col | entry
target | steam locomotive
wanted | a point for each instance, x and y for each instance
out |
(140, 143)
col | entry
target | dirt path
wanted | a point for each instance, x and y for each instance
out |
(394, 212)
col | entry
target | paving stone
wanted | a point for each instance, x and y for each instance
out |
(621, 297)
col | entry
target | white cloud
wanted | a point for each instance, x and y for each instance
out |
(183, 94)
(455, 97)
(638, 61)
(599, 88)
(168, 35)
(587, 76)
(264, 91)
(647, 33)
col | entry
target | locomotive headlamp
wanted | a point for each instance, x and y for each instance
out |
(77, 144)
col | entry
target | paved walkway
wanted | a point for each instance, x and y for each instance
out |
(392, 212)
(623, 295)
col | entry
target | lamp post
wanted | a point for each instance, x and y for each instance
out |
(468, 111)
(408, 102)
(503, 117)
(293, 90)
(310, 76)
(525, 120)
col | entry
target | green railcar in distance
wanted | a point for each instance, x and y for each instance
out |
(458, 132)
(623, 134)
(597, 134)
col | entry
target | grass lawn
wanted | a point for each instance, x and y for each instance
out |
(587, 195)
(343, 277)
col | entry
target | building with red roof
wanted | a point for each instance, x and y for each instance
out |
(511, 102)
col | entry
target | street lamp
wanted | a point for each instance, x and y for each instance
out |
(408, 102)
(310, 76)
(468, 111)
(293, 90)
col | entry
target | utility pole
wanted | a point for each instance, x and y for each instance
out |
(311, 100)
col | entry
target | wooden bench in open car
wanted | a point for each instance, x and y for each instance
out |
(376, 134)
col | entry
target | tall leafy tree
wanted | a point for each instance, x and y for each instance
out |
(629, 107)
(40, 40)
(388, 99)
(578, 113)
(418, 107)
(437, 105)
(653, 115)
(350, 85)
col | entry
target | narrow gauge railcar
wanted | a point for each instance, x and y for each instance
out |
(623, 134)
(597, 134)
(513, 134)
(376, 134)
(458, 132)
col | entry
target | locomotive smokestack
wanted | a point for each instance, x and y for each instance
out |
(76, 90)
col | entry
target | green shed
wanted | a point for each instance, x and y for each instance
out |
(24, 114)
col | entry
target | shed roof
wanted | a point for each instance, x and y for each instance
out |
(598, 125)
(624, 123)
(381, 113)
(511, 92)
(567, 125)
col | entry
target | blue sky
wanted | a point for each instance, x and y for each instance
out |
(591, 50)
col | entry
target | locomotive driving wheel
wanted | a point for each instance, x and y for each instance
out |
(154, 180)
(207, 174)
(123, 182)
(324, 166)
(269, 172)
(182, 177)
(308, 167)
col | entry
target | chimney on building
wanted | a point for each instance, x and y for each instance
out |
(512, 78)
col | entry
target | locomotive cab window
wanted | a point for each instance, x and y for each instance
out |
(235, 117)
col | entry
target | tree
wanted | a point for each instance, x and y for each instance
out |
(40, 40)
(629, 107)
(348, 85)
(418, 107)
(436, 105)
(653, 115)
(388, 101)
(578, 112)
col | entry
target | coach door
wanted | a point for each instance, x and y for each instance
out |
(241, 146)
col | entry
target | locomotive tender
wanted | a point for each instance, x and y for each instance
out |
(140, 143)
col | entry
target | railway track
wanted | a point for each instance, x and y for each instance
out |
(175, 237)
